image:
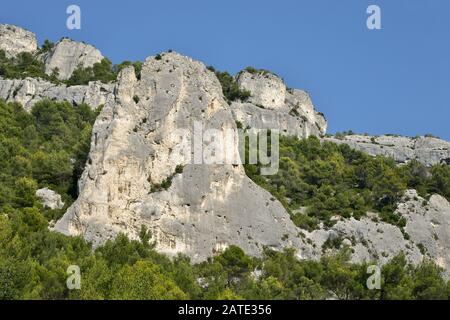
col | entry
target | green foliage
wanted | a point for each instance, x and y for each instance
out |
(29, 65)
(47, 46)
(100, 71)
(253, 70)
(33, 264)
(38, 148)
(45, 148)
(335, 180)
(167, 182)
(23, 66)
(230, 88)
(137, 67)
(103, 71)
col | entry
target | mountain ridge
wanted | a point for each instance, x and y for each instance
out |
(129, 155)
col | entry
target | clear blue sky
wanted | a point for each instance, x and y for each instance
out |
(396, 80)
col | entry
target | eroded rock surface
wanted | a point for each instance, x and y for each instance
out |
(428, 225)
(207, 207)
(14, 40)
(273, 106)
(67, 55)
(29, 91)
(50, 199)
(426, 234)
(427, 150)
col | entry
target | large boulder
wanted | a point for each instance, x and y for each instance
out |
(14, 40)
(50, 199)
(67, 55)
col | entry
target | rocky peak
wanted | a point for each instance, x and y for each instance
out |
(67, 55)
(136, 174)
(273, 106)
(267, 90)
(14, 40)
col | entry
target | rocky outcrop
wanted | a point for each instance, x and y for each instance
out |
(206, 207)
(426, 234)
(140, 173)
(267, 90)
(428, 225)
(427, 150)
(370, 240)
(273, 106)
(14, 40)
(67, 55)
(29, 91)
(50, 199)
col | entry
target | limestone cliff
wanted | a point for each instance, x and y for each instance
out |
(14, 40)
(207, 207)
(272, 105)
(427, 150)
(137, 175)
(67, 55)
(29, 91)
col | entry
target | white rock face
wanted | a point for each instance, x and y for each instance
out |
(272, 106)
(372, 241)
(207, 207)
(428, 151)
(14, 40)
(67, 55)
(29, 91)
(267, 90)
(428, 225)
(50, 199)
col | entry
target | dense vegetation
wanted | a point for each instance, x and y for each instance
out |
(48, 148)
(22, 66)
(45, 148)
(230, 88)
(331, 179)
(103, 71)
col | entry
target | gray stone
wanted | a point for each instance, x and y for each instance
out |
(428, 225)
(67, 55)
(14, 40)
(373, 241)
(207, 207)
(50, 199)
(272, 106)
(29, 91)
(427, 150)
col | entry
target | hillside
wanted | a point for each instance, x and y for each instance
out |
(94, 174)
